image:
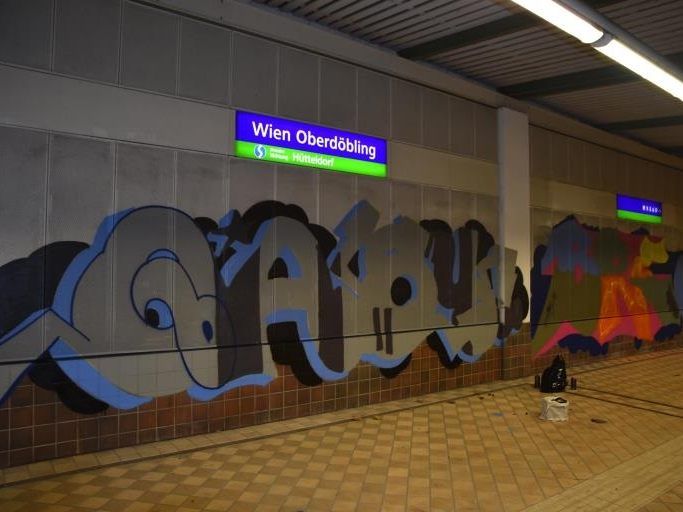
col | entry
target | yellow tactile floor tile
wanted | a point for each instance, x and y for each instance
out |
(642, 380)
(448, 451)
(669, 501)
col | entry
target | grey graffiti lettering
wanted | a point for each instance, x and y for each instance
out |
(161, 303)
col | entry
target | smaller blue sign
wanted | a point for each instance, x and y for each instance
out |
(636, 208)
(638, 205)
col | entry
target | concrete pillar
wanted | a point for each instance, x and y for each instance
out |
(513, 186)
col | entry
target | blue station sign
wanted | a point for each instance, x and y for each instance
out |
(638, 209)
(279, 140)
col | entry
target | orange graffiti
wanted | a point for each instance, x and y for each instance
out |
(621, 298)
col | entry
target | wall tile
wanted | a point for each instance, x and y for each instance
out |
(298, 85)
(559, 158)
(407, 260)
(144, 176)
(436, 203)
(250, 182)
(337, 193)
(671, 184)
(610, 173)
(664, 184)
(376, 192)
(435, 120)
(593, 167)
(625, 182)
(87, 38)
(405, 112)
(643, 181)
(81, 196)
(23, 179)
(539, 152)
(23, 167)
(373, 103)
(576, 161)
(461, 114)
(647, 182)
(337, 94)
(204, 61)
(337, 197)
(150, 49)
(487, 214)
(406, 201)
(541, 226)
(486, 134)
(25, 32)
(254, 74)
(463, 208)
(299, 186)
(81, 180)
(202, 185)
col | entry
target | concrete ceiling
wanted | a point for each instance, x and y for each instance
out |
(498, 44)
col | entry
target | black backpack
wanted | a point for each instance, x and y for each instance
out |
(554, 378)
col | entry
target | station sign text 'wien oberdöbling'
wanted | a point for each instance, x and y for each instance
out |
(642, 210)
(290, 142)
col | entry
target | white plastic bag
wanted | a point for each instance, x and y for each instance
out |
(554, 410)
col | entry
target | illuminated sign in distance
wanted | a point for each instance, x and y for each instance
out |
(638, 209)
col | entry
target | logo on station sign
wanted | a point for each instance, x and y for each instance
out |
(259, 151)
(291, 142)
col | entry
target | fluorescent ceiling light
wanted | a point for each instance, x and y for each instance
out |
(563, 18)
(566, 19)
(618, 51)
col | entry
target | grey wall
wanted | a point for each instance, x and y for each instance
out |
(167, 56)
(148, 62)
(60, 192)
(139, 47)
(574, 177)
(57, 187)
(564, 159)
(129, 106)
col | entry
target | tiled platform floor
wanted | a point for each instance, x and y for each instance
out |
(670, 501)
(479, 448)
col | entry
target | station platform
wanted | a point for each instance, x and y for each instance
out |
(474, 448)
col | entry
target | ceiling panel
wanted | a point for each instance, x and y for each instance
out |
(396, 24)
(656, 23)
(431, 21)
(525, 49)
(545, 51)
(523, 56)
(636, 100)
(669, 136)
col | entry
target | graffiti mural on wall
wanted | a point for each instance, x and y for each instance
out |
(161, 302)
(590, 286)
